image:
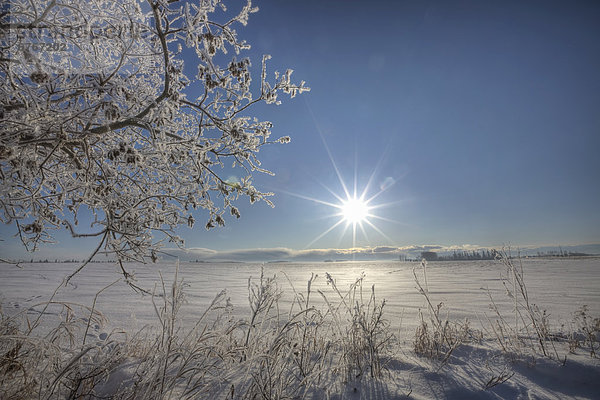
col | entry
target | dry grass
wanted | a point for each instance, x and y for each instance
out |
(436, 336)
(308, 351)
(362, 331)
(527, 332)
(586, 332)
(52, 364)
(316, 347)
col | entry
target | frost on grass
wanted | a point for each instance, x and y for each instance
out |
(293, 335)
(305, 351)
(527, 332)
(436, 336)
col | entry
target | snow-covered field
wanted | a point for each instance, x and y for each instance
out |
(466, 290)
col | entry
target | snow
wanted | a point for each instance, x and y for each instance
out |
(559, 286)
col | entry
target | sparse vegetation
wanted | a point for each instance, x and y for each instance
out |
(436, 336)
(320, 344)
(363, 332)
(530, 333)
(304, 352)
(587, 331)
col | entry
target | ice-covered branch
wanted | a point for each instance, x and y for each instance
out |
(98, 114)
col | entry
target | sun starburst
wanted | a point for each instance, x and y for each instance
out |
(354, 210)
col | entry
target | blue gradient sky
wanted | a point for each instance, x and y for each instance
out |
(485, 114)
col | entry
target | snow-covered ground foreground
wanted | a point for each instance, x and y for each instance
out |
(338, 343)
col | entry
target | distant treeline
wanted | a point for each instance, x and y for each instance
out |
(490, 254)
(57, 261)
(485, 254)
(560, 253)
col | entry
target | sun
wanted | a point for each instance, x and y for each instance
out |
(354, 210)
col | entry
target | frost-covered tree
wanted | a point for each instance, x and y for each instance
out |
(132, 110)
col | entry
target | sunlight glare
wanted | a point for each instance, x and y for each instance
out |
(355, 210)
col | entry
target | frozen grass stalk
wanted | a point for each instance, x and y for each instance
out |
(317, 347)
(530, 324)
(437, 337)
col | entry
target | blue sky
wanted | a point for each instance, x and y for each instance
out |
(485, 115)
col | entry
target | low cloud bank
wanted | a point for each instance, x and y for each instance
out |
(286, 254)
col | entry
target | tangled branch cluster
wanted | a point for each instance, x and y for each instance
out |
(111, 123)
